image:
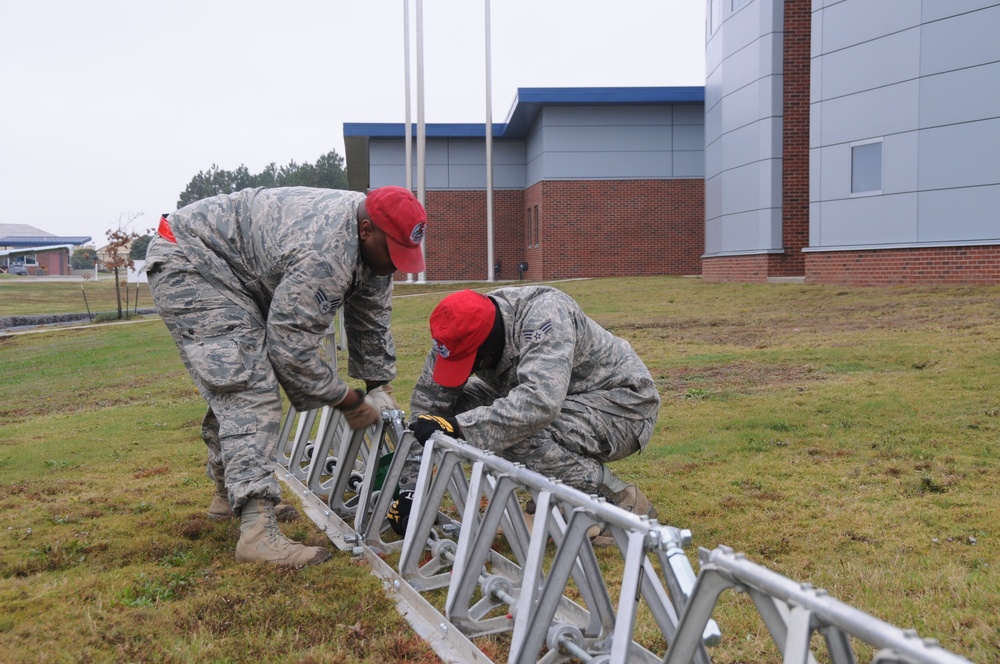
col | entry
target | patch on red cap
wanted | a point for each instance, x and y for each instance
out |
(398, 213)
(459, 325)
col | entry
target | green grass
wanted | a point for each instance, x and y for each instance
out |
(22, 296)
(845, 437)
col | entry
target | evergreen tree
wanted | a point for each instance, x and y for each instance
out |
(328, 171)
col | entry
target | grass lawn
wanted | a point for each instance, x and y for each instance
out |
(844, 437)
(23, 296)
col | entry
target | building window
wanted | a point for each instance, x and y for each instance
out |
(535, 228)
(866, 167)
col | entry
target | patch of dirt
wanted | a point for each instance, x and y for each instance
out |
(741, 377)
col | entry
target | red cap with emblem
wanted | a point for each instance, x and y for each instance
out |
(402, 218)
(460, 324)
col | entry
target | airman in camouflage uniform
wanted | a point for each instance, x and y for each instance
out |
(248, 284)
(552, 389)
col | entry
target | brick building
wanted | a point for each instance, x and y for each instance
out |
(28, 250)
(835, 141)
(588, 182)
(852, 142)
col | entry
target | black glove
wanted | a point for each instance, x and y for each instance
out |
(399, 512)
(425, 425)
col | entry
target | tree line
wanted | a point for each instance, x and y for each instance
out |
(327, 172)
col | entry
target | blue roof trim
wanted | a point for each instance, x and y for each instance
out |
(659, 95)
(41, 240)
(528, 103)
(398, 130)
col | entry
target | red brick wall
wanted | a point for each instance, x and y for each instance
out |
(55, 262)
(750, 268)
(795, 139)
(585, 229)
(456, 234)
(612, 228)
(932, 265)
(534, 255)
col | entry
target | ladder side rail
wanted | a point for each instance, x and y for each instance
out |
(302, 446)
(331, 424)
(469, 572)
(378, 446)
(345, 477)
(285, 439)
(827, 610)
(427, 499)
(401, 445)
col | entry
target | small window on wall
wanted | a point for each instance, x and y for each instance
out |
(866, 167)
(532, 226)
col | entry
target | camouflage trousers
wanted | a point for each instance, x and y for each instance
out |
(221, 338)
(573, 448)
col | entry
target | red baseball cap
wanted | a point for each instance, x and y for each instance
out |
(402, 218)
(460, 324)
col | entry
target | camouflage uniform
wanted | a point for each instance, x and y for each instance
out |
(248, 292)
(565, 397)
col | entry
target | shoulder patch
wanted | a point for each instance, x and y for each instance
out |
(326, 305)
(536, 335)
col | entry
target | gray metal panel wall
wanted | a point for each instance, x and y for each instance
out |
(616, 143)
(451, 163)
(743, 106)
(920, 76)
(605, 142)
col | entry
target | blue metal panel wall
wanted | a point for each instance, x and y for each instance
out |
(921, 77)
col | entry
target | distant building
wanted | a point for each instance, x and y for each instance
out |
(104, 253)
(852, 142)
(28, 250)
(835, 141)
(587, 182)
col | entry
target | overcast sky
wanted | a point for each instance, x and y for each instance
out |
(108, 108)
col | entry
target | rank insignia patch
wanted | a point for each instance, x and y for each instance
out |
(326, 305)
(538, 334)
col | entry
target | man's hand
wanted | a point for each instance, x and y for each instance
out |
(357, 411)
(381, 398)
(425, 425)
(399, 512)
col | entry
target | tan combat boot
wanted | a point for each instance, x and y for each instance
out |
(220, 510)
(262, 540)
(631, 499)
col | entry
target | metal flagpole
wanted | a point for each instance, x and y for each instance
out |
(421, 129)
(407, 130)
(490, 274)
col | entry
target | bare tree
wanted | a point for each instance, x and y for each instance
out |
(116, 257)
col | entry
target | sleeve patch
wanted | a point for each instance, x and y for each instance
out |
(326, 305)
(536, 335)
